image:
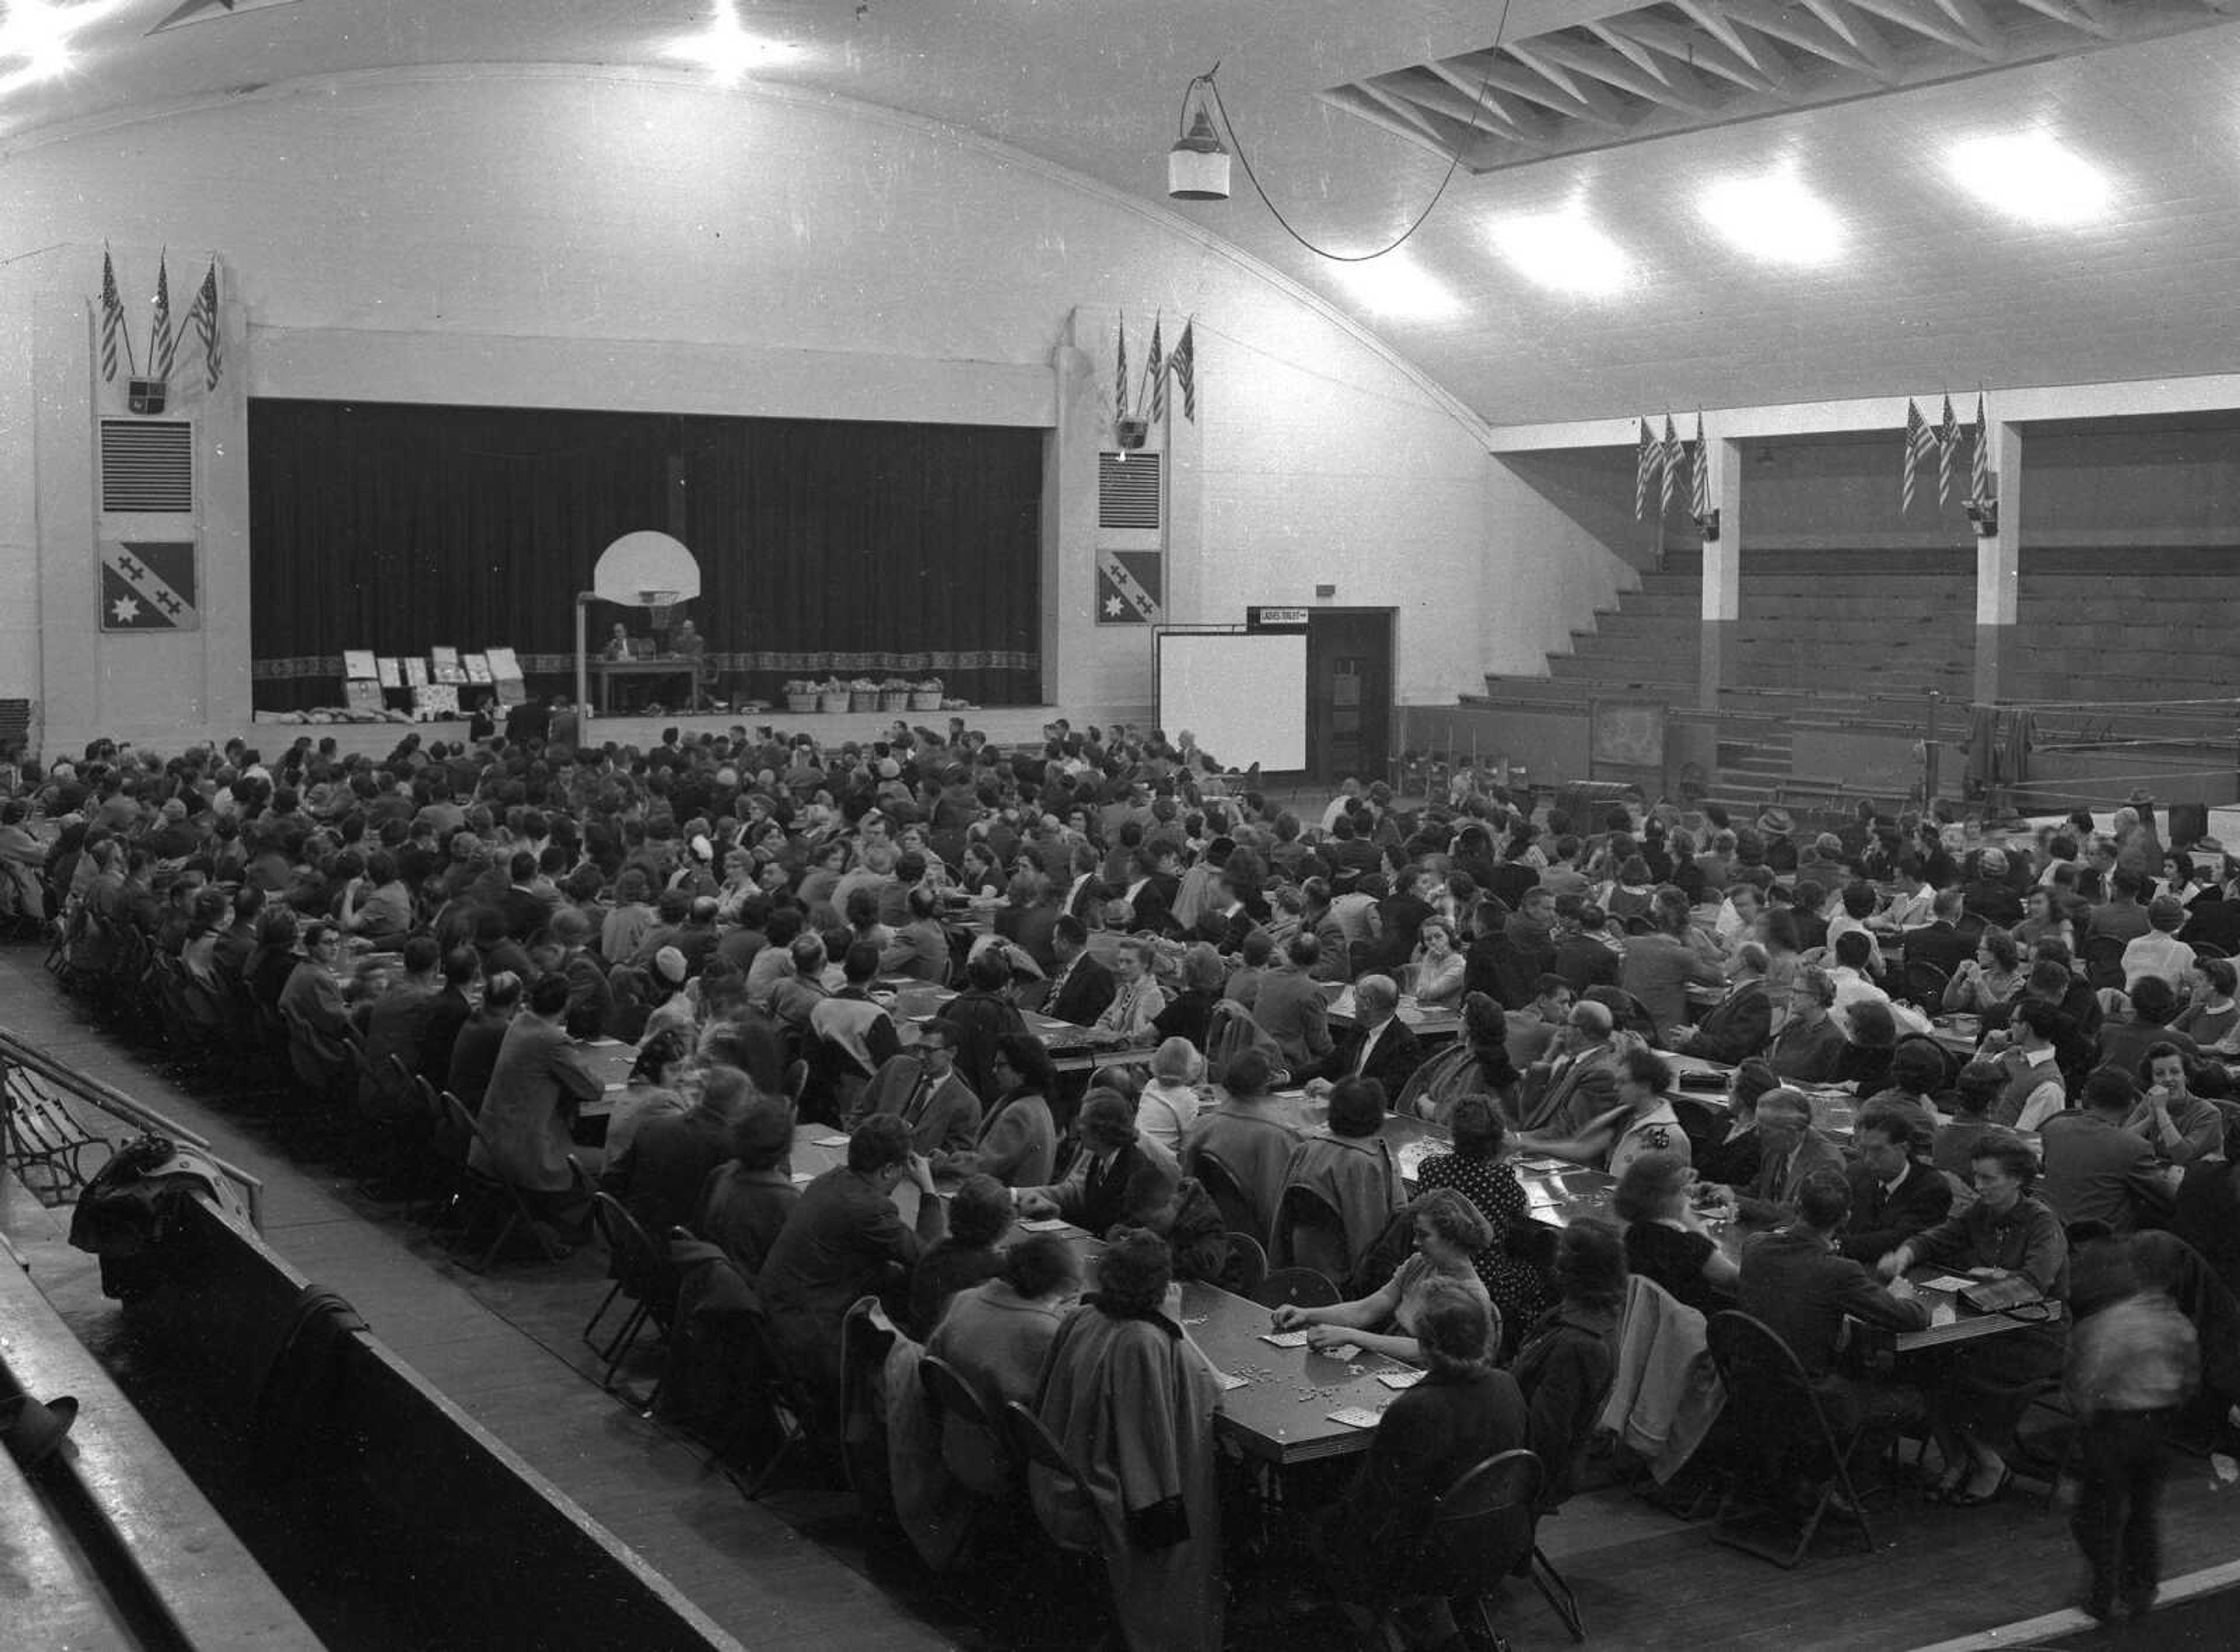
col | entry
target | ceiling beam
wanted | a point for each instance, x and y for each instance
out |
(2090, 16)
(1826, 31)
(1934, 20)
(1515, 120)
(1464, 108)
(1535, 88)
(1637, 54)
(1357, 101)
(1765, 70)
(1711, 16)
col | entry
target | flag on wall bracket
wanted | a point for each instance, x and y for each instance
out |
(149, 585)
(1128, 587)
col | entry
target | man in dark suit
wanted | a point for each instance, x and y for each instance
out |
(1028, 923)
(2096, 1170)
(1291, 1007)
(1580, 1082)
(1081, 986)
(1939, 941)
(1894, 1194)
(922, 1086)
(448, 1011)
(659, 1174)
(1581, 959)
(1379, 1045)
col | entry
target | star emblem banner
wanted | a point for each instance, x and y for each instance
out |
(149, 585)
(1128, 587)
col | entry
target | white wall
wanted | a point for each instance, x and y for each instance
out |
(574, 238)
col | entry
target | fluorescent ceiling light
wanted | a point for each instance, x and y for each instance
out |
(35, 38)
(1562, 251)
(1397, 286)
(2030, 176)
(727, 50)
(1773, 217)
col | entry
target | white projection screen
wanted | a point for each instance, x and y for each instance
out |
(1243, 695)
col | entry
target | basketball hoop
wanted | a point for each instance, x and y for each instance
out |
(659, 605)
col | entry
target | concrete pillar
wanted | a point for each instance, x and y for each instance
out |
(1998, 563)
(1722, 573)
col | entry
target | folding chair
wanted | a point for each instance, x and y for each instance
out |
(1310, 1233)
(495, 1189)
(1036, 1446)
(972, 1443)
(1923, 984)
(1480, 1533)
(1238, 1214)
(642, 1274)
(790, 1405)
(1248, 1266)
(1788, 1429)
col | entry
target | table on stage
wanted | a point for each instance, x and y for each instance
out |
(692, 666)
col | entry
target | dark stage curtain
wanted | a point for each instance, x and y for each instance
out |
(825, 548)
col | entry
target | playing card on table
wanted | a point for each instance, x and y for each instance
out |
(1046, 1224)
(829, 1141)
(1356, 1417)
(1400, 1379)
(1285, 1339)
(1341, 1351)
(1228, 1381)
(1945, 1281)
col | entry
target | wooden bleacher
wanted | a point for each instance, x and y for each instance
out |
(2125, 625)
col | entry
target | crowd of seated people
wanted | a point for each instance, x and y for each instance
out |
(754, 913)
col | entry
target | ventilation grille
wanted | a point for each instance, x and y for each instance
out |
(148, 465)
(1128, 490)
(15, 724)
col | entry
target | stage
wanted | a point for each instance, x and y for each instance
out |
(1004, 725)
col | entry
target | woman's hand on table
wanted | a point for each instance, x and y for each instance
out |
(1289, 1317)
(1320, 1337)
(1037, 1207)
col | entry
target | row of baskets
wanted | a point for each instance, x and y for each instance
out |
(806, 703)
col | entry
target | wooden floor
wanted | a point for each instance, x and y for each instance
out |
(797, 1572)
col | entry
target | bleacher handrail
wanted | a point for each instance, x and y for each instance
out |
(22, 1052)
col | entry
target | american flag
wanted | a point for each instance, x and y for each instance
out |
(112, 320)
(1675, 457)
(1648, 459)
(1120, 375)
(1702, 474)
(203, 319)
(162, 348)
(1947, 443)
(1184, 365)
(1979, 485)
(1155, 370)
(1920, 442)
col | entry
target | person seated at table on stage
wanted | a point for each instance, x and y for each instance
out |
(1801, 1282)
(1989, 979)
(2159, 952)
(1739, 1025)
(1658, 967)
(1478, 1170)
(2008, 1232)
(980, 1214)
(661, 1175)
(1250, 1134)
(1093, 1194)
(1568, 1357)
(1666, 1242)
(1464, 1411)
(921, 1086)
(1448, 1231)
(618, 643)
(839, 1243)
(2095, 1168)
(528, 1114)
(1352, 1166)
(1175, 1207)
(1809, 1048)
(1732, 1160)
(655, 1089)
(1130, 1399)
(1895, 1192)
(1137, 999)
(1017, 1143)
(744, 1202)
(996, 1334)
(1646, 1121)
(1291, 1007)
(1789, 1149)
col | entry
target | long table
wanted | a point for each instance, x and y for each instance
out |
(656, 665)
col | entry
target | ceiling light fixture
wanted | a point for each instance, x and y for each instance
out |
(1197, 166)
(1562, 252)
(2032, 176)
(35, 37)
(1774, 217)
(726, 50)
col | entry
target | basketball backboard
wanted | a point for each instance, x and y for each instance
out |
(646, 569)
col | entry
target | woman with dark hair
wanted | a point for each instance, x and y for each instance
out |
(1981, 984)
(1017, 1143)
(746, 1200)
(655, 1089)
(1665, 1240)
(2006, 1233)
(1448, 1233)
(1130, 1399)
(1732, 1160)
(1569, 1355)
(1351, 1169)
(979, 1215)
(2210, 1017)
(1189, 1014)
(1462, 1413)
(1477, 1063)
(1436, 968)
(1474, 1169)
(997, 1333)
